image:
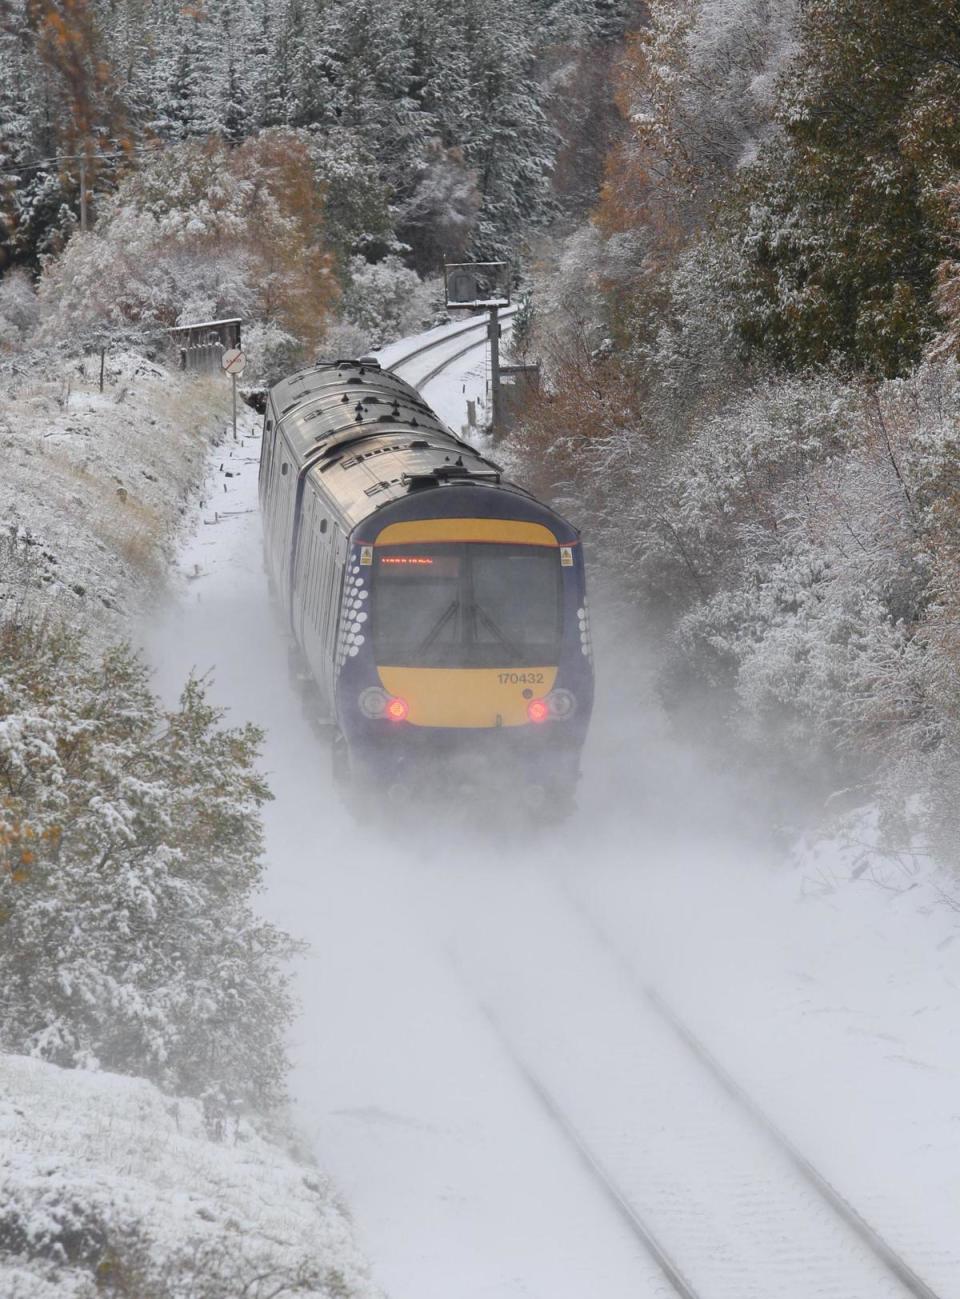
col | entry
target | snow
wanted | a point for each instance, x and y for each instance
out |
(825, 978)
(830, 992)
(95, 484)
(88, 1158)
(466, 376)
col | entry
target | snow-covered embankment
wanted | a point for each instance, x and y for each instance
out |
(106, 1181)
(108, 1184)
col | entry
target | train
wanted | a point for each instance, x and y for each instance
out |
(440, 610)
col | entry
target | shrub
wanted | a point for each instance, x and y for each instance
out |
(202, 229)
(130, 848)
(387, 300)
(19, 309)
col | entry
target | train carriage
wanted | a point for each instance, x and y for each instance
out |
(441, 611)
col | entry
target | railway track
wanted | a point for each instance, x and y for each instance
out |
(396, 358)
(611, 1191)
(715, 1194)
(910, 1282)
(639, 1226)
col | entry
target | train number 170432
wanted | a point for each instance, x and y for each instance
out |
(520, 678)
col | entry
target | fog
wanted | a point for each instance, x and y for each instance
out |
(444, 950)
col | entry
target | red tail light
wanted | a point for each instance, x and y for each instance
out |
(397, 709)
(538, 710)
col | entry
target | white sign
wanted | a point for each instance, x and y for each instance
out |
(233, 361)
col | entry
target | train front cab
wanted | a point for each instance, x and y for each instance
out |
(464, 659)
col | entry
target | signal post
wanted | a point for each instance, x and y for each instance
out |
(474, 286)
(493, 332)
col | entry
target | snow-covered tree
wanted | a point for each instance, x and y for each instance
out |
(19, 309)
(356, 198)
(202, 230)
(130, 848)
(509, 143)
(386, 300)
(845, 227)
(698, 90)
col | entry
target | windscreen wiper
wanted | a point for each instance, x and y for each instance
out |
(438, 626)
(492, 626)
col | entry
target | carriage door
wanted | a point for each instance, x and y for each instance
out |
(305, 573)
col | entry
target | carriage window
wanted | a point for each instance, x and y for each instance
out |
(466, 605)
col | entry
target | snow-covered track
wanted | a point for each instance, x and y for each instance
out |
(408, 360)
(908, 1280)
(721, 1208)
(635, 1224)
(888, 1256)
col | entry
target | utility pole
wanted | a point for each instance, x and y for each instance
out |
(493, 331)
(83, 194)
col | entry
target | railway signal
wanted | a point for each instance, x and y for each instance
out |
(477, 286)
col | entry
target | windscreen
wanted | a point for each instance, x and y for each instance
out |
(466, 605)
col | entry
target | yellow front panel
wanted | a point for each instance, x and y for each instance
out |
(490, 530)
(468, 697)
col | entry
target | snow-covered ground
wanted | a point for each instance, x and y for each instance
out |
(438, 954)
(94, 485)
(98, 1167)
(462, 350)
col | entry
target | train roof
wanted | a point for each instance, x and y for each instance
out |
(369, 438)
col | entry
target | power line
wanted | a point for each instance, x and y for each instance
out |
(76, 157)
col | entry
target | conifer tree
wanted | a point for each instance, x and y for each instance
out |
(847, 226)
(442, 103)
(508, 141)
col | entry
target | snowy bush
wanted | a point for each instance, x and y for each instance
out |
(566, 313)
(270, 351)
(129, 850)
(201, 229)
(19, 308)
(110, 1187)
(386, 300)
(344, 340)
(824, 606)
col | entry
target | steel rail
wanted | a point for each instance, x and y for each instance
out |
(422, 383)
(467, 328)
(911, 1282)
(614, 1195)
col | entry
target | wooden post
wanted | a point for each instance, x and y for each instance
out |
(494, 335)
(103, 353)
